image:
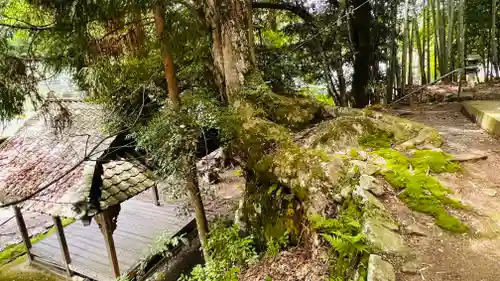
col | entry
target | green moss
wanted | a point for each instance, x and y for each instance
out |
(422, 192)
(379, 139)
(26, 276)
(435, 161)
(353, 153)
(294, 111)
(15, 250)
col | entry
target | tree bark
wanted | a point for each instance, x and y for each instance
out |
(393, 57)
(428, 41)
(235, 22)
(410, 54)
(174, 96)
(199, 210)
(435, 21)
(493, 41)
(168, 62)
(443, 63)
(461, 44)
(361, 23)
(451, 20)
(405, 47)
(420, 54)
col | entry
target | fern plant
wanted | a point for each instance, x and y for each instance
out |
(344, 236)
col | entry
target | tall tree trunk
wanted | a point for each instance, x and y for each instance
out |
(393, 57)
(421, 54)
(428, 41)
(493, 41)
(498, 49)
(174, 96)
(405, 47)
(342, 84)
(442, 40)
(168, 62)
(361, 23)
(410, 54)
(423, 45)
(451, 12)
(435, 22)
(194, 193)
(461, 43)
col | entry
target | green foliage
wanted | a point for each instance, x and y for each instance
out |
(164, 243)
(345, 237)
(421, 191)
(172, 136)
(274, 245)
(226, 245)
(318, 94)
(229, 253)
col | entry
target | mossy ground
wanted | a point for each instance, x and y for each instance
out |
(420, 190)
(21, 271)
(26, 276)
(15, 250)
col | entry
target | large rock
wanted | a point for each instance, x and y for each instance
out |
(368, 200)
(417, 230)
(365, 167)
(378, 226)
(381, 236)
(371, 184)
(380, 270)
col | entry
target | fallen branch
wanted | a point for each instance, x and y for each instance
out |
(469, 157)
(424, 86)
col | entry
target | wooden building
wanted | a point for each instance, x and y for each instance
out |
(66, 167)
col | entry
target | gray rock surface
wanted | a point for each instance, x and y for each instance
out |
(371, 184)
(368, 199)
(381, 237)
(366, 168)
(380, 270)
(417, 230)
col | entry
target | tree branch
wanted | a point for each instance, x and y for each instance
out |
(297, 10)
(27, 27)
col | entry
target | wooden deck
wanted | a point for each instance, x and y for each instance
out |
(139, 223)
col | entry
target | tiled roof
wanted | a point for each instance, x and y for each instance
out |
(37, 155)
(124, 179)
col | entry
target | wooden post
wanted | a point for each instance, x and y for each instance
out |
(110, 243)
(24, 231)
(156, 198)
(63, 244)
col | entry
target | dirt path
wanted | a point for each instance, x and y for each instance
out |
(440, 255)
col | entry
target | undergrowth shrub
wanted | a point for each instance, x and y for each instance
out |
(344, 235)
(229, 253)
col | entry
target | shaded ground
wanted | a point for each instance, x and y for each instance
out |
(297, 264)
(439, 255)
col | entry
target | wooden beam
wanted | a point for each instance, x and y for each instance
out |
(63, 244)
(110, 243)
(24, 231)
(156, 197)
